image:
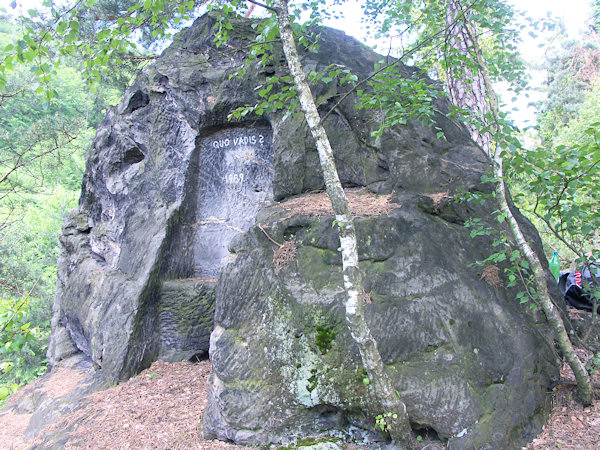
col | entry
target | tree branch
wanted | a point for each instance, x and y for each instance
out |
(270, 8)
(424, 41)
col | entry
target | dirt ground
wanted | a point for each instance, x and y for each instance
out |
(162, 407)
(570, 425)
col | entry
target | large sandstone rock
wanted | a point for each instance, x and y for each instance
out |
(469, 362)
(167, 233)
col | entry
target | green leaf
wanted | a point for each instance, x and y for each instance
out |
(17, 342)
(4, 392)
(103, 34)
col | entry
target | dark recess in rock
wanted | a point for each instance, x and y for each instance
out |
(133, 156)
(138, 100)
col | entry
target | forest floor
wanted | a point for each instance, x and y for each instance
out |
(162, 407)
(570, 425)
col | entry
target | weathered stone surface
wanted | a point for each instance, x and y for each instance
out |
(468, 361)
(169, 183)
(171, 196)
(234, 183)
(185, 316)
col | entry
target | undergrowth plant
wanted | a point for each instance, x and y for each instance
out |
(593, 364)
(560, 186)
(516, 268)
(381, 421)
(16, 339)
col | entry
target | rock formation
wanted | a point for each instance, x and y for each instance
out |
(181, 212)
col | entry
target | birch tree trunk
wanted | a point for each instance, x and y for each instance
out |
(483, 87)
(399, 427)
(584, 385)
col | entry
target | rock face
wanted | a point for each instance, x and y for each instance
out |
(166, 235)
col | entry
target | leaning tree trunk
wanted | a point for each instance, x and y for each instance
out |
(399, 428)
(470, 43)
(584, 385)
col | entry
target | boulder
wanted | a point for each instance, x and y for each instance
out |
(473, 367)
(185, 214)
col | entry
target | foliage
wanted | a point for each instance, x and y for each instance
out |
(400, 97)
(277, 93)
(593, 364)
(427, 29)
(515, 267)
(381, 421)
(40, 146)
(19, 345)
(29, 249)
(595, 18)
(42, 151)
(280, 93)
(14, 332)
(324, 337)
(41, 165)
(560, 178)
(28, 271)
(426, 24)
(102, 15)
(55, 33)
(566, 174)
(564, 181)
(560, 182)
(571, 66)
(32, 151)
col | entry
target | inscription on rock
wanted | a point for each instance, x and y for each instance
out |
(235, 181)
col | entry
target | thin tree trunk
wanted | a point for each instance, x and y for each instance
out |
(584, 385)
(399, 428)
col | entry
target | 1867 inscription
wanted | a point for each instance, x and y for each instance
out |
(236, 173)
